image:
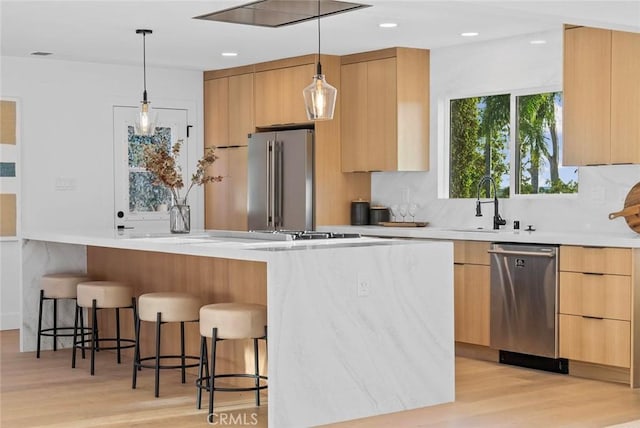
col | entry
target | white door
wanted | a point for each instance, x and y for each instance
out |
(140, 204)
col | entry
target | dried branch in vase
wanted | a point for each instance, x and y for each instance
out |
(163, 164)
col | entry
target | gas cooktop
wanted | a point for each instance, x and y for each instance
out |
(296, 235)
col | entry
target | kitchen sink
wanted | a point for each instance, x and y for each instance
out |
(475, 229)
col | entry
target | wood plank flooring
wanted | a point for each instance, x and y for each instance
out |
(48, 393)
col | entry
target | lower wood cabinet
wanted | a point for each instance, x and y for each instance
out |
(471, 277)
(226, 201)
(596, 306)
(595, 340)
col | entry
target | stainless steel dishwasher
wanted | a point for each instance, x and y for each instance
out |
(524, 305)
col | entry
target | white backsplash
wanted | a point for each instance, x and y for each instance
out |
(602, 190)
(507, 65)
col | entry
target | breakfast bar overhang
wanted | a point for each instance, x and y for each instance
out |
(357, 327)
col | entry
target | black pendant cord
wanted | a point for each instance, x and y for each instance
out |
(144, 61)
(319, 68)
(144, 65)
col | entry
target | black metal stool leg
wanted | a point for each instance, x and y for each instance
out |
(83, 335)
(214, 339)
(257, 370)
(157, 366)
(136, 354)
(203, 348)
(136, 322)
(118, 334)
(39, 323)
(55, 324)
(94, 335)
(75, 338)
(182, 353)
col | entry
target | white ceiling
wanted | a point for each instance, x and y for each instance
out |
(104, 31)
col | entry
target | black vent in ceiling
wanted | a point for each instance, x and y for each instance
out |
(277, 13)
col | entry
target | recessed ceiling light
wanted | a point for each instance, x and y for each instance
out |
(388, 25)
(538, 42)
(39, 53)
(469, 34)
(229, 53)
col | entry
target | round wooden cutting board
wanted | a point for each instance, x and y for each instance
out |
(631, 211)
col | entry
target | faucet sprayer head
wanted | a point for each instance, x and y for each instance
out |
(478, 209)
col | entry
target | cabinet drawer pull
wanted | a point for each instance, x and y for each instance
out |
(593, 273)
(592, 318)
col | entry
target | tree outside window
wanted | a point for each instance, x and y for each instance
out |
(480, 144)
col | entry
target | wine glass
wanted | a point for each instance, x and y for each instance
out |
(402, 209)
(413, 209)
(395, 212)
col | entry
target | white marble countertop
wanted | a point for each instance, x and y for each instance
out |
(211, 243)
(625, 240)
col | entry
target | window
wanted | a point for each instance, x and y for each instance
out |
(144, 195)
(481, 143)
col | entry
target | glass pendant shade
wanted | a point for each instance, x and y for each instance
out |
(320, 99)
(145, 125)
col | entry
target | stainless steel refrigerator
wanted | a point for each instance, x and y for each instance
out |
(280, 180)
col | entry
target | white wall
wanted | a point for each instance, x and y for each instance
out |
(495, 67)
(67, 131)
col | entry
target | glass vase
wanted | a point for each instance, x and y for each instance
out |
(180, 217)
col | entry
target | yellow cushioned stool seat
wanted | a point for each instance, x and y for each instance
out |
(233, 320)
(174, 307)
(62, 285)
(107, 294)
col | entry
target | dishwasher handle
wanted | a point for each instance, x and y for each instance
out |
(523, 253)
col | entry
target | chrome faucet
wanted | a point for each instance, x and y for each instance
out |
(497, 220)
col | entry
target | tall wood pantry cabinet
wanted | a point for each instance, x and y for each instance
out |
(601, 91)
(385, 110)
(228, 109)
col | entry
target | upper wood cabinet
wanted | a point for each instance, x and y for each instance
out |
(228, 110)
(278, 95)
(601, 97)
(385, 110)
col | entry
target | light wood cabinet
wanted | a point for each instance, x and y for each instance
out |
(601, 97)
(600, 296)
(595, 305)
(625, 97)
(273, 90)
(471, 292)
(228, 110)
(226, 201)
(613, 261)
(595, 340)
(278, 95)
(385, 110)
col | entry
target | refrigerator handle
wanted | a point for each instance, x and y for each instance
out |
(278, 199)
(271, 185)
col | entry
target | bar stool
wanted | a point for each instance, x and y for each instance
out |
(162, 308)
(57, 286)
(226, 321)
(97, 295)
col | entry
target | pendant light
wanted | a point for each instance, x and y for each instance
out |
(319, 96)
(145, 125)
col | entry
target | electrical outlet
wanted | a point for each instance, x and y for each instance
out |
(363, 286)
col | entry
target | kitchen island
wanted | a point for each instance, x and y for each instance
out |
(357, 327)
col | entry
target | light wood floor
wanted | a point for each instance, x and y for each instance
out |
(48, 393)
